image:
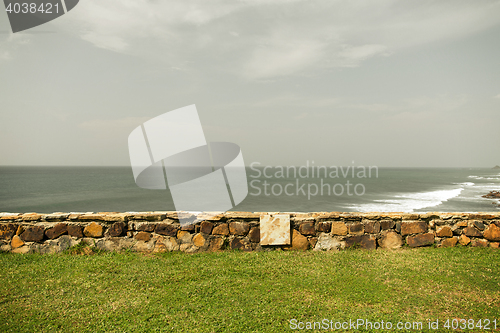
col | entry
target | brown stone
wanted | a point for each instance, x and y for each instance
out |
(221, 229)
(313, 241)
(58, 230)
(324, 226)
(188, 227)
(479, 242)
(20, 230)
(75, 231)
(390, 240)
(409, 228)
(494, 245)
(412, 216)
(356, 229)
(299, 242)
(372, 227)
(166, 229)
(143, 236)
(444, 232)
(482, 216)
(449, 242)
(115, 217)
(479, 225)
(367, 242)
(339, 228)
(148, 227)
(387, 224)
(240, 244)
(216, 244)
(206, 227)
(16, 242)
(492, 233)
(464, 240)
(307, 228)
(31, 217)
(420, 240)
(254, 235)
(7, 230)
(117, 229)
(93, 230)
(184, 236)
(472, 232)
(33, 234)
(10, 217)
(239, 228)
(199, 240)
(91, 217)
(461, 224)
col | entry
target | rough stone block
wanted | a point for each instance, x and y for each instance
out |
(326, 242)
(449, 242)
(7, 230)
(356, 229)
(390, 240)
(339, 228)
(472, 232)
(372, 227)
(222, 229)
(387, 224)
(16, 242)
(93, 230)
(117, 229)
(33, 234)
(56, 231)
(366, 242)
(75, 231)
(254, 235)
(166, 229)
(492, 233)
(444, 232)
(239, 228)
(307, 228)
(206, 227)
(464, 240)
(409, 228)
(143, 236)
(324, 226)
(299, 242)
(216, 244)
(240, 244)
(200, 240)
(420, 240)
(477, 242)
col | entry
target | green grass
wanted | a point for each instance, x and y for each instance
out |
(244, 292)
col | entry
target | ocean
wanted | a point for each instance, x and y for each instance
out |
(303, 189)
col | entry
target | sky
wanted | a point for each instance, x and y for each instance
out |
(376, 83)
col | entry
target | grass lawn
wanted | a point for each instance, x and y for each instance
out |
(247, 292)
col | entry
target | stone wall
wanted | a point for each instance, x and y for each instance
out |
(161, 231)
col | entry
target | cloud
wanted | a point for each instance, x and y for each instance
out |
(497, 96)
(119, 126)
(10, 44)
(274, 38)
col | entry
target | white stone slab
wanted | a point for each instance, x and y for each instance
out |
(275, 229)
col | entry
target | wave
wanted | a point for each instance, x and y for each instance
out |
(409, 202)
(487, 178)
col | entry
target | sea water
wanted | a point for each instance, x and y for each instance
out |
(106, 189)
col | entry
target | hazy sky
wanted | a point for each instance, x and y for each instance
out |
(386, 83)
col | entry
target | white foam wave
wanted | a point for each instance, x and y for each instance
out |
(487, 178)
(409, 202)
(465, 184)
